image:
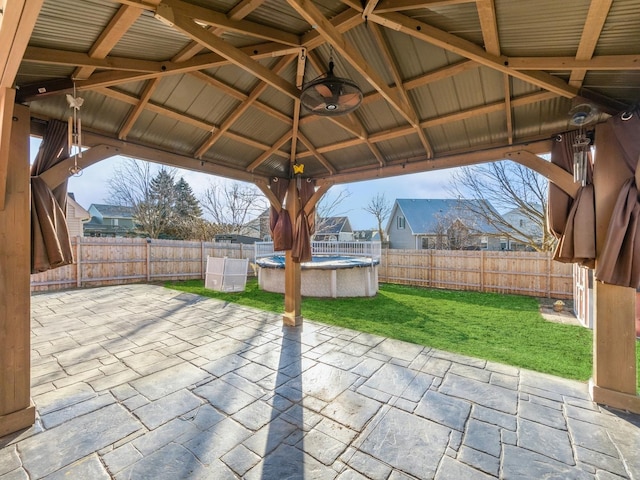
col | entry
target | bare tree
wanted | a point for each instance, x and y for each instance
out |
(380, 208)
(508, 186)
(231, 205)
(130, 183)
(331, 205)
(454, 230)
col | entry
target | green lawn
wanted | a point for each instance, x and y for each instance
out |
(502, 328)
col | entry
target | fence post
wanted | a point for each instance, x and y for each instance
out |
(79, 262)
(482, 270)
(202, 266)
(148, 260)
(548, 275)
(430, 268)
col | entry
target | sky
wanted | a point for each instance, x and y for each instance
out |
(92, 187)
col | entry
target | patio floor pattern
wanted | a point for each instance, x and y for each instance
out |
(142, 382)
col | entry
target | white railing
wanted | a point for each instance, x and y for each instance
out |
(360, 249)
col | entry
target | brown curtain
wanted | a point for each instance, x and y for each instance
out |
(619, 262)
(301, 251)
(279, 220)
(572, 221)
(50, 242)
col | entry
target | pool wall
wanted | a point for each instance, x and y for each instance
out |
(360, 281)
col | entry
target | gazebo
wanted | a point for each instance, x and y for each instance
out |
(296, 96)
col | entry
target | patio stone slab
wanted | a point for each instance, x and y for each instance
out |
(167, 408)
(538, 438)
(167, 381)
(414, 445)
(490, 396)
(88, 467)
(451, 469)
(326, 382)
(60, 446)
(9, 460)
(391, 379)
(289, 462)
(519, 463)
(447, 411)
(352, 409)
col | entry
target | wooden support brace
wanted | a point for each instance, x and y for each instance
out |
(7, 98)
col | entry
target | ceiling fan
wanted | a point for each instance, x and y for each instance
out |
(329, 95)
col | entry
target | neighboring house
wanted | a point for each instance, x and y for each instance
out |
(258, 227)
(372, 235)
(109, 221)
(331, 229)
(440, 224)
(235, 238)
(76, 215)
(523, 223)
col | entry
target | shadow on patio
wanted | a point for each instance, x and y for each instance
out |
(139, 381)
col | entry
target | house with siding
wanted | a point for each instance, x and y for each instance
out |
(523, 224)
(110, 221)
(448, 224)
(76, 216)
(331, 229)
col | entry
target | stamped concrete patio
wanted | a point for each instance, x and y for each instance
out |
(137, 382)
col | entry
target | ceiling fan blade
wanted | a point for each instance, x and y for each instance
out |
(349, 100)
(323, 90)
(320, 106)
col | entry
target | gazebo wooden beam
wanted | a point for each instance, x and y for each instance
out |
(16, 410)
(7, 98)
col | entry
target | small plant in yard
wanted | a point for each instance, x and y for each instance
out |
(502, 328)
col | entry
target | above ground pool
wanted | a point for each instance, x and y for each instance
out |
(324, 276)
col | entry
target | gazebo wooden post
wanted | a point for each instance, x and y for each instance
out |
(292, 278)
(16, 410)
(614, 341)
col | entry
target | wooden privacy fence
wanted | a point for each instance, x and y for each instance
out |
(519, 273)
(111, 261)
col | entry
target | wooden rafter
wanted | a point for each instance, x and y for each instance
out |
(368, 8)
(234, 55)
(507, 107)
(489, 25)
(600, 62)
(386, 6)
(137, 110)
(343, 22)
(390, 134)
(470, 50)
(597, 15)
(241, 10)
(295, 128)
(325, 163)
(124, 18)
(463, 158)
(216, 19)
(17, 22)
(313, 16)
(387, 55)
(239, 111)
(180, 117)
(271, 151)
(200, 62)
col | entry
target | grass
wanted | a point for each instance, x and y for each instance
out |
(502, 328)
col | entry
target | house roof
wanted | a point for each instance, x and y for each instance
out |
(423, 216)
(332, 225)
(113, 211)
(440, 79)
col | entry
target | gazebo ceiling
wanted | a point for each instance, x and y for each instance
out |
(217, 82)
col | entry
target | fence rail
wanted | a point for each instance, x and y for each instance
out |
(110, 261)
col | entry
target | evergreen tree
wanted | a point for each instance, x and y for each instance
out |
(187, 204)
(156, 214)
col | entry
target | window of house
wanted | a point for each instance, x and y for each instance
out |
(521, 223)
(114, 222)
(400, 223)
